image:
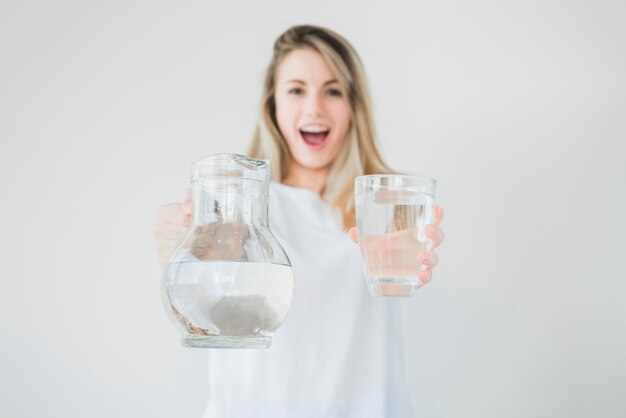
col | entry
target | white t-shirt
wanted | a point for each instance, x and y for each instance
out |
(338, 353)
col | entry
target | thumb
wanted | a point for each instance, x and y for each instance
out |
(187, 202)
(353, 233)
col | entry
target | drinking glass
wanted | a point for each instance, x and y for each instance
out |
(392, 211)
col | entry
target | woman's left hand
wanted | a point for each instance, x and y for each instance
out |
(426, 258)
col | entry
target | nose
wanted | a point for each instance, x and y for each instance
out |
(314, 105)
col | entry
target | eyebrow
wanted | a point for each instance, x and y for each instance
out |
(334, 80)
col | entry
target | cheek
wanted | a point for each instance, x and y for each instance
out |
(342, 119)
(285, 117)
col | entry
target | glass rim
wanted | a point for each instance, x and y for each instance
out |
(208, 159)
(251, 168)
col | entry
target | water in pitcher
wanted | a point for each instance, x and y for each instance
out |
(391, 225)
(229, 299)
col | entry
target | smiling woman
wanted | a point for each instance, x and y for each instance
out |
(338, 353)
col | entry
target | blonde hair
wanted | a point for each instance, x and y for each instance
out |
(358, 154)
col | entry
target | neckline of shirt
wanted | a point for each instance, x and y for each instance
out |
(323, 209)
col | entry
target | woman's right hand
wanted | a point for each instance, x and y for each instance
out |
(170, 227)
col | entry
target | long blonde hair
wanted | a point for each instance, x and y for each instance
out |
(358, 154)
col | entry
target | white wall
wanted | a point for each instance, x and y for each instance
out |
(517, 108)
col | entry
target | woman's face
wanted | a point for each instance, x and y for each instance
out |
(312, 109)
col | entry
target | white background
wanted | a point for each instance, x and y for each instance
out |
(518, 109)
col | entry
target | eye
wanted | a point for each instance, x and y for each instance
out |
(334, 92)
(296, 91)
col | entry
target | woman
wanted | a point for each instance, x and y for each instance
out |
(339, 352)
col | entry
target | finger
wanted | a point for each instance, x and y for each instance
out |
(187, 202)
(165, 248)
(353, 233)
(425, 276)
(428, 259)
(435, 234)
(437, 214)
(163, 231)
(172, 213)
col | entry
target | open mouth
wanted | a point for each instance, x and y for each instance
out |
(314, 138)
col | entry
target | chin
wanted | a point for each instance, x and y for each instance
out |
(313, 163)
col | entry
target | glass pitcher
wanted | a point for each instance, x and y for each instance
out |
(229, 284)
